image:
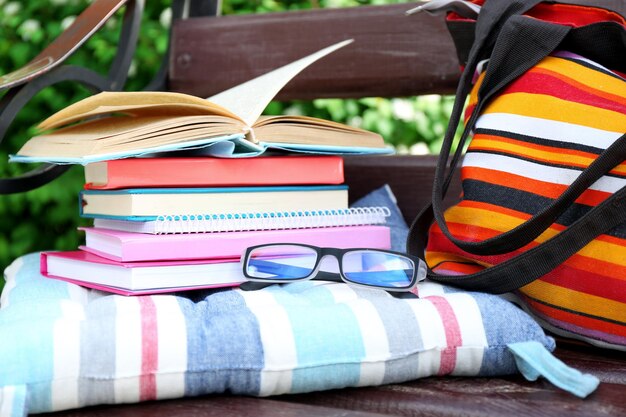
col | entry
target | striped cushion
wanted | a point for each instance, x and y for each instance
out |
(64, 346)
(529, 144)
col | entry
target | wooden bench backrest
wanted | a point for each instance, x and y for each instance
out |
(393, 55)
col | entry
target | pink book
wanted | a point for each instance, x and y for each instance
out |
(136, 278)
(131, 247)
(126, 292)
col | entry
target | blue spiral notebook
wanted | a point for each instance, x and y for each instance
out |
(233, 222)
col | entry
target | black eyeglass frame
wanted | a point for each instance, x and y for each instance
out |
(419, 267)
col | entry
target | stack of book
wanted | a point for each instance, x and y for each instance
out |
(173, 223)
(178, 223)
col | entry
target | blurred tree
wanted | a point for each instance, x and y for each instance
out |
(47, 218)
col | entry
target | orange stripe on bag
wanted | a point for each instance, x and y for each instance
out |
(576, 319)
(469, 224)
(592, 283)
(547, 107)
(591, 88)
(576, 300)
(549, 154)
(556, 86)
(611, 87)
(542, 188)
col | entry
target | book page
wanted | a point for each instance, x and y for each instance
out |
(138, 103)
(248, 100)
(115, 134)
(310, 131)
(245, 101)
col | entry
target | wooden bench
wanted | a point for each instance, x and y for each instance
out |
(393, 55)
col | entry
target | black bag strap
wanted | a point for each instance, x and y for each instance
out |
(532, 40)
(522, 43)
(488, 26)
(540, 260)
(606, 38)
(505, 62)
(538, 223)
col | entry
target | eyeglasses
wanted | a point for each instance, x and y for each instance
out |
(282, 263)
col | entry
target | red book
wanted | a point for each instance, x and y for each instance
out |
(214, 172)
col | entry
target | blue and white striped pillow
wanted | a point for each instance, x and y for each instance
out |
(73, 347)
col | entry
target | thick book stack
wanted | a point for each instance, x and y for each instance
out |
(170, 223)
(167, 224)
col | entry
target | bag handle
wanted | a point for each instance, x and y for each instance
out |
(525, 233)
(540, 260)
(489, 24)
(530, 265)
(503, 68)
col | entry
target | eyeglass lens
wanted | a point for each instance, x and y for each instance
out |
(377, 268)
(366, 267)
(288, 262)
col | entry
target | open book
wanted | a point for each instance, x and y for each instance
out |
(113, 125)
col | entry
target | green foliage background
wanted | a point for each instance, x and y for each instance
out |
(47, 218)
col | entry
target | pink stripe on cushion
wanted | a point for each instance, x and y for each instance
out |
(453, 334)
(149, 349)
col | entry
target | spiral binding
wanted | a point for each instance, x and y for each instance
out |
(270, 220)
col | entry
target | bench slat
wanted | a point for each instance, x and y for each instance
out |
(454, 397)
(393, 54)
(409, 176)
(435, 396)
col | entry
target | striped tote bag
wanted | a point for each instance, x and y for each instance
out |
(542, 216)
